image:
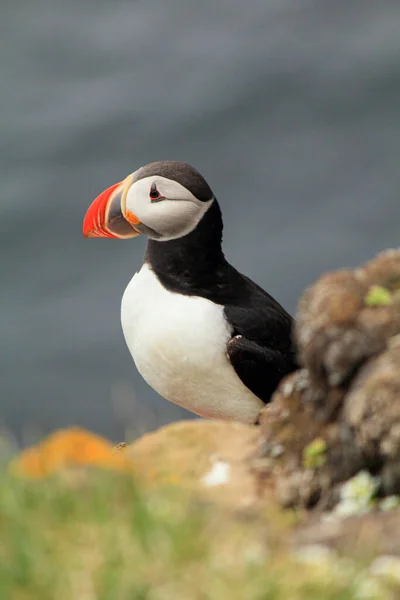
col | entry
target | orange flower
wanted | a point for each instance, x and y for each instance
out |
(66, 448)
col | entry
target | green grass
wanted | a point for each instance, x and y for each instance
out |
(95, 535)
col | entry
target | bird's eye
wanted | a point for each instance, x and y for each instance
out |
(154, 193)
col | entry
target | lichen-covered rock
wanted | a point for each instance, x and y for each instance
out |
(299, 450)
(340, 414)
(209, 458)
(372, 410)
(348, 316)
(66, 449)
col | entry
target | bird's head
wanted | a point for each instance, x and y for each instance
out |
(164, 200)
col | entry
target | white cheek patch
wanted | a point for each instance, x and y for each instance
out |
(174, 217)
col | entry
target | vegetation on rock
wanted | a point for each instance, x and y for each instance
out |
(346, 396)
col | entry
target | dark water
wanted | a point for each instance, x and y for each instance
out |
(290, 108)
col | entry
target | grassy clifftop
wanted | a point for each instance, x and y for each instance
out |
(80, 520)
(97, 535)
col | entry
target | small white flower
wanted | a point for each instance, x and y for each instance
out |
(356, 494)
(361, 487)
(389, 503)
(219, 474)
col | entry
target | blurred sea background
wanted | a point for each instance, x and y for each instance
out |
(289, 108)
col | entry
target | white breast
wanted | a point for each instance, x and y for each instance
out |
(178, 344)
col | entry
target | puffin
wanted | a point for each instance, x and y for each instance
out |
(201, 334)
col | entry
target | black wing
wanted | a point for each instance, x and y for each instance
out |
(261, 349)
(264, 353)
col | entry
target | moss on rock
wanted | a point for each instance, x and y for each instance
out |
(347, 395)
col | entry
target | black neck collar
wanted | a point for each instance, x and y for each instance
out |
(194, 261)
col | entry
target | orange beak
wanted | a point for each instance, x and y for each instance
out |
(107, 216)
